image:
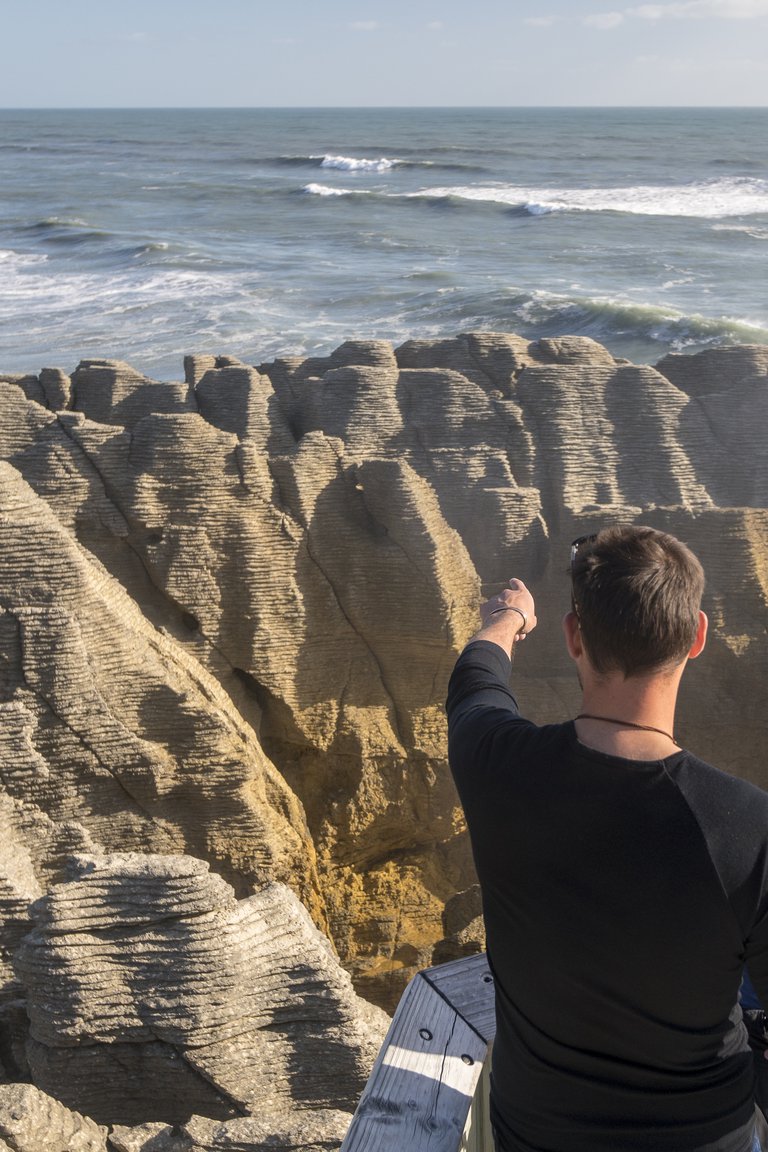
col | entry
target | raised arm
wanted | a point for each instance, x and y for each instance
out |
(480, 701)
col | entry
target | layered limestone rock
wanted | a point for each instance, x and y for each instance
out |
(327, 596)
(231, 605)
(112, 734)
(154, 995)
(31, 1121)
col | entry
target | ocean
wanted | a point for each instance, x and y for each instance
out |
(143, 235)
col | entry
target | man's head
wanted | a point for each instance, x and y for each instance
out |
(636, 594)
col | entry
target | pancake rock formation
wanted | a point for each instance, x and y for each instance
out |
(229, 607)
(153, 994)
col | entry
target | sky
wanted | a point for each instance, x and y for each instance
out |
(391, 53)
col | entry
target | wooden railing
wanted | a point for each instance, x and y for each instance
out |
(428, 1089)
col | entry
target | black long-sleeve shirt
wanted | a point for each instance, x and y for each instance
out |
(621, 900)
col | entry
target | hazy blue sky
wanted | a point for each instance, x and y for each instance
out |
(146, 53)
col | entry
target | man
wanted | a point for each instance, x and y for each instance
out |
(624, 881)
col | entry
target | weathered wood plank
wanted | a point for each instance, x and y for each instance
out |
(467, 985)
(423, 1082)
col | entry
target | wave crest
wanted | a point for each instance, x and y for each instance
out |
(353, 164)
(605, 319)
(325, 190)
(710, 199)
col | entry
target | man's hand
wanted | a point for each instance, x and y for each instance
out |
(508, 617)
(517, 597)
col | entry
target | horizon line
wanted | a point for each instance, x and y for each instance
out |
(372, 107)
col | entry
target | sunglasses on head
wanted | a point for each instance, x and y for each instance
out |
(578, 543)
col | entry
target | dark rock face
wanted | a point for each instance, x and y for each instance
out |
(229, 606)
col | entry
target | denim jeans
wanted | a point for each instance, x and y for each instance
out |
(756, 1147)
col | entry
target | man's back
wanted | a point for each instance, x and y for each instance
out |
(618, 898)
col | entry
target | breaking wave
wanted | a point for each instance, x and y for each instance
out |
(352, 164)
(612, 321)
(710, 199)
(325, 190)
(364, 164)
(640, 332)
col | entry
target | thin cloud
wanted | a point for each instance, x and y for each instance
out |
(702, 10)
(540, 21)
(435, 25)
(365, 25)
(604, 20)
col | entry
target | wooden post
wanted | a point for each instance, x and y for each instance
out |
(478, 1135)
(420, 1091)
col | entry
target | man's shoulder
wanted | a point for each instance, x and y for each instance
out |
(719, 794)
(696, 768)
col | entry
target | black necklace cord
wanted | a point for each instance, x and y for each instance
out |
(628, 724)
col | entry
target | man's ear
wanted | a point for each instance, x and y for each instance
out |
(701, 637)
(572, 633)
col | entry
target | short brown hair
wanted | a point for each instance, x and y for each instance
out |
(637, 594)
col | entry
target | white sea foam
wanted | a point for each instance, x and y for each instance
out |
(669, 284)
(155, 315)
(353, 164)
(11, 259)
(86, 297)
(324, 190)
(710, 199)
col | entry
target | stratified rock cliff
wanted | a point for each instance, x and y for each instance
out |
(229, 607)
(303, 593)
